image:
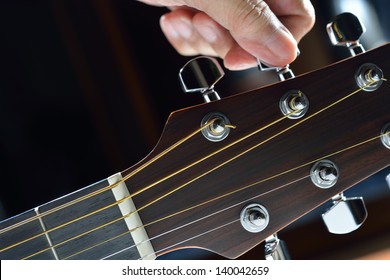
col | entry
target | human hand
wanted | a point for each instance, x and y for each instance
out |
(239, 31)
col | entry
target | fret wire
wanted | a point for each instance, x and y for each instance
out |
(64, 224)
(46, 234)
(298, 123)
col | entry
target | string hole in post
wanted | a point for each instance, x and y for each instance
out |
(324, 174)
(369, 77)
(216, 127)
(294, 104)
(254, 218)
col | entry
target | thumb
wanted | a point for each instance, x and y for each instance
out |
(254, 27)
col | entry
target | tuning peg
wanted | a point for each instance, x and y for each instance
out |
(388, 180)
(283, 73)
(200, 75)
(346, 214)
(345, 30)
(275, 249)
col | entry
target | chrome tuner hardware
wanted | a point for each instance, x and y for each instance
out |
(324, 174)
(385, 138)
(369, 77)
(294, 104)
(218, 130)
(283, 73)
(275, 249)
(200, 75)
(388, 180)
(254, 217)
(345, 30)
(346, 214)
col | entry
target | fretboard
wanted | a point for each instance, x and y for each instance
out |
(96, 222)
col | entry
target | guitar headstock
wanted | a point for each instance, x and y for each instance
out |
(285, 149)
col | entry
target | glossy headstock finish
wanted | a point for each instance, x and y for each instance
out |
(286, 197)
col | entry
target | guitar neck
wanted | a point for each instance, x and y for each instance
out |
(88, 224)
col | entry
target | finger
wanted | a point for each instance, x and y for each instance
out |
(255, 28)
(192, 33)
(239, 59)
(297, 15)
(213, 33)
(178, 28)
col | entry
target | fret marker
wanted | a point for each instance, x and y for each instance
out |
(140, 237)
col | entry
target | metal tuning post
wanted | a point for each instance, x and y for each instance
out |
(345, 30)
(283, 73)
(199, 75)
(275, 249)
(346, 214)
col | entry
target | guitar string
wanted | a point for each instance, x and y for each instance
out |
(255, 183)
(242, 153)
(191, 238)
(201, 176)
(179, 227)
(127, 177)
(132, 195)
(257, 145)
(111, 186)
(233, 192)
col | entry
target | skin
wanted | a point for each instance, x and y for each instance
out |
(238, 31)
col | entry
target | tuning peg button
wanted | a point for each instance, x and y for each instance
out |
(346, 214)
(345, 30)
(388, 180)
(199, 75)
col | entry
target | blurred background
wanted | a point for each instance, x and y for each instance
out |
(86, 87)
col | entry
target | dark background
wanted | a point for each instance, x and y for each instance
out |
(86, 87)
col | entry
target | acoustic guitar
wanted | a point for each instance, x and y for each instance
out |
(227, 174)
